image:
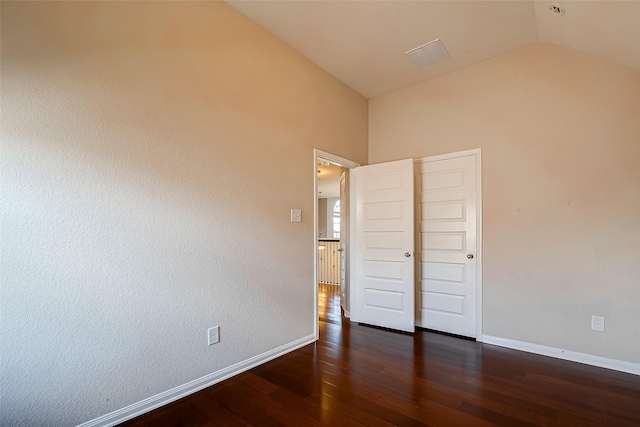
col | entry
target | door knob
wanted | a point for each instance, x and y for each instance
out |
(340, 249)
(407, 254)
(470, 256)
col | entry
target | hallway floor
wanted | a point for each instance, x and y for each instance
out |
(329, 303)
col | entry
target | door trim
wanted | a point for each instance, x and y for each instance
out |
(345, 163)
(477, 153)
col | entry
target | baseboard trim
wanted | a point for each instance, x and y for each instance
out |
(191, 387)
(558, 353)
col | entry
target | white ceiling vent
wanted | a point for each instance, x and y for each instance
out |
(428, 54)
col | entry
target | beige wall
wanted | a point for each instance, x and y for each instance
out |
(560, 139)
(151, 154)
(325, 216)
(322, 218)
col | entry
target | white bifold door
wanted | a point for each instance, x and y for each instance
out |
(447, 196)
(383, 280)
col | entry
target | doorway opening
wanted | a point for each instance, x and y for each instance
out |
(329, 247)
(332, 218)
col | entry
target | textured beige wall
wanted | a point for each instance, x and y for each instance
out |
(560, 139)
(151, 152)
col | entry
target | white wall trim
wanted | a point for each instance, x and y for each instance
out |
(191, 387)
(477, 153)
(558, 353)
(340, 161)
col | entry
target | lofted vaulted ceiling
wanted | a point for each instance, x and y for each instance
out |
(363, 43)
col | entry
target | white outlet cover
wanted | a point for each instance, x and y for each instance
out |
(597, 323)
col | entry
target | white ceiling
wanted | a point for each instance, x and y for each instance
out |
(328, 181)
(363, 43)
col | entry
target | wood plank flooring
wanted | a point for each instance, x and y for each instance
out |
(357, 375)
(329, 303)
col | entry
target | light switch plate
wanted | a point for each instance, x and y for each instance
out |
(213, 335)
(296, 215)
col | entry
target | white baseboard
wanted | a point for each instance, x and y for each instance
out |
(179, 392)
(574, 356)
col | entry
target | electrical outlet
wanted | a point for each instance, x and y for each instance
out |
(597, 323)
(213, 335)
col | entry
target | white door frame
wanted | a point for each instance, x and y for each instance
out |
(477, 152)
(345, 163)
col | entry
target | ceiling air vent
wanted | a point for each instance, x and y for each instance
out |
(428, 54)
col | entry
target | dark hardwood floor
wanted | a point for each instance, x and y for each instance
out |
(357, 375)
